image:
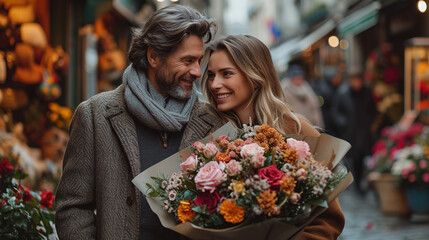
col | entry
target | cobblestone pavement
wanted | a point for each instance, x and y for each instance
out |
(364, 220)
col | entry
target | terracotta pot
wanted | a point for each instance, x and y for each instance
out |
(392, 198)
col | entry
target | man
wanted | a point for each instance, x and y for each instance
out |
(116, 135)
(354, 110)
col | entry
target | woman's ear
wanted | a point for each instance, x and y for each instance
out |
(152, 58)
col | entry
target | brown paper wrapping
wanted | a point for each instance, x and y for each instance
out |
(327, 149)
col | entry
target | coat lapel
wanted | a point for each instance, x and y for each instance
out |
(125, 129)
(203, 121)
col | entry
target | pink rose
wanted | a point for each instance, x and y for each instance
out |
(190, 164)
(199, 146)
(379, 146)
(301, 147)
(257, 161)
(273, 176)
(425, 177)
(250, 150)
(423, 164)
(248, 141)
(233, 167)
(294, 198)
(412, 178)
(209, 176)
(232, 154)
(210, 150)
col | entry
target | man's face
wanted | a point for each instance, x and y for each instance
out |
(356, 83)
(176, 75)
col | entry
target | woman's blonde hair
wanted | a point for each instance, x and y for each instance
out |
(253, 59)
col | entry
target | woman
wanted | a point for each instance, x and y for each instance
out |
(241, 83)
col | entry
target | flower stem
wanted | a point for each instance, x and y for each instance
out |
(283, 202)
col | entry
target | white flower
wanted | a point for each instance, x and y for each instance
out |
(166, 204)
(172, 195)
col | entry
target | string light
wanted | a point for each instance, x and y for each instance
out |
(422, 6)
(333, 41)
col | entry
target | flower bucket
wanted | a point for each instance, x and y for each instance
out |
(392, 199)
(418, 199)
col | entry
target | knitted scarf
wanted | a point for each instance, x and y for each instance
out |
(151, 108)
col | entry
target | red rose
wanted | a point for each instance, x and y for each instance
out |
(210, 200)
(5, 166)
(273, 176)
(47, 199)
(27, 194)
(3, 202)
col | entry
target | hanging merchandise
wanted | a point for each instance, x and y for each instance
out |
(27, 71)
(13, 99)
(22, 14)
(48, 89)
(33, 34)
(55, 62)
(3, 68)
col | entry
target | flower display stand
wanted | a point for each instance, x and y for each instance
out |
(392, 199)
(418, 199)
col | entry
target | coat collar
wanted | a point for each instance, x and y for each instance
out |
(124, 127)
(204, 120)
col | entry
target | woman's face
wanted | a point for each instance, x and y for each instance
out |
(229, 86)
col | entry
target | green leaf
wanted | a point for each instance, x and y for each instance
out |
(20, 175)
(216, 219)
(46, 223)
(35, 217)
(189, 195)
(6, 208)
(190, 185)
(200, 209)
(153, 194)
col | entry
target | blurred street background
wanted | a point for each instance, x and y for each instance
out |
(364, 220)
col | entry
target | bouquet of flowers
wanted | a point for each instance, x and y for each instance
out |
(24, 214)
(412, 166)
(227, 185)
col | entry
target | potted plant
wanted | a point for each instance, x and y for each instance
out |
(391, 195)
(24, 214)
(411, 169)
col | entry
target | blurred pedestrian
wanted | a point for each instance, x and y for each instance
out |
(301, 97)
(354, 108)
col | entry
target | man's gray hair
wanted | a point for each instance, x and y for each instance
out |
(165, 30)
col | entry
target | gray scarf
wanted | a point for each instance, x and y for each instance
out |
(150, 107)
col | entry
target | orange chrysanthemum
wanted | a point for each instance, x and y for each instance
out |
(231, 212)
(239, 142)
(267, 201)
(290, 156)
(222, 157)
(185, 212)
(287, 185)
(269, 136)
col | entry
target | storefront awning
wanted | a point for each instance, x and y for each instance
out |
(359, 20)
(282, 53)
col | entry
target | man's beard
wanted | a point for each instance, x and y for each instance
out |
(167, 83)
